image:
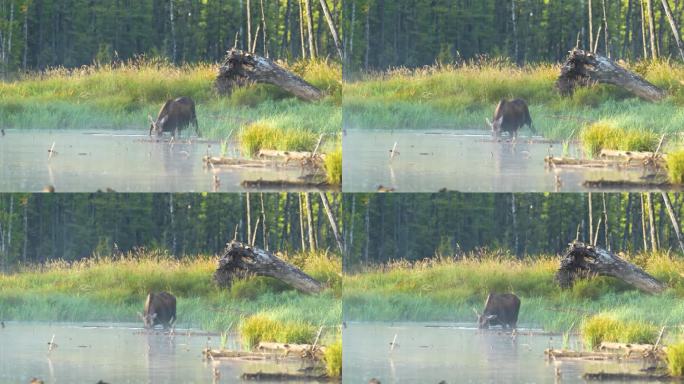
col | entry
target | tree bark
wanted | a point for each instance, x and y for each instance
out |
(673, 219)
(605, 221)
(643, 223)
(651, 29)
(333, 222)
(240, 260)
(651, 222)
(249, 26)
(591, 29)
(309, 28)
(249, 220)
(585, 260)
(301, 28)
(675, 28)
(301, 222)
(309, 221)
(584, 68)
(643, 28)
(173, 32)
(263, 27)
(333, 30)
(242, 68)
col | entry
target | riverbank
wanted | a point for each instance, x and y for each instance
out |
(122, 96)
(462, 96)
(448, 289)
(114, 289)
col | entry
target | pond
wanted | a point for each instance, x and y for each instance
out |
(459, 353)
(463, 160)
(123, 161)
(117, 353)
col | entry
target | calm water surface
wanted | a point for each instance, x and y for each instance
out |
(458, 353)
(468, 161)
(115, 353)
(125, 161)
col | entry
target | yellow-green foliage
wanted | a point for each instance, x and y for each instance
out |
(675, 359)
(257, 328)
(333, 359)
(264, 135)
(675, 166)
(599, 328)
(333, 166)
(606, 135)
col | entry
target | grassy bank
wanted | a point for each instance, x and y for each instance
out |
(106, 289)
(447, 290)
(460, 97)
(115, 97)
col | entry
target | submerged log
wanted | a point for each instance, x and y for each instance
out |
(659, 183)
(302, 350)
(624, 376)
(584, 260)
(282, 377)
(585, 68)
(241, 68)
(241, 260)
(579, 355)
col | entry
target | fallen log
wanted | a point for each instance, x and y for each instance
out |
(242, 68)
(241, 260)
(582, 260)
(583, 68)
(302, 350)
(644, 350)
(213, 354)
(235, 162)
(624, 376)
(659, 183)
(628, 155)
(281, 377)
(319, 183)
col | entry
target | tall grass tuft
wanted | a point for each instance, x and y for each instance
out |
(600, 328)
(675, 359)
(675, 166)
(333, 359)
(333, 166)
(258, 328)
(607, 135)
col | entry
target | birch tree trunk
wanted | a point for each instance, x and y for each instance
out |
(591, 222)
(23, 63)
(9, 39)
(651, 221)
(333, 29)
(264, 227)
(675, 28)
(301, 222)
(605, 220)
(651, 29)
(249, 28)
(643, 28)
(265, 34)
(173, 32)
(673, 219)
(249, 220)
(23, 252)
(309, 221)
(643, 223)
(606, 35)
(301, 28)
(333, 222)
(591, 31)
(310, 30)
(365, 253)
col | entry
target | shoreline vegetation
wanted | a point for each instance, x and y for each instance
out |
(460, 96)
(446, 289)
(113, 289)
(121, 96)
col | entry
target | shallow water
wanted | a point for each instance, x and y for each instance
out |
(458, 353)
(114, 353)
(125, 161)
(468, 161)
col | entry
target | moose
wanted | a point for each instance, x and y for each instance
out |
(509, 116)
(160, 308)
(500, 309)
(173, 116)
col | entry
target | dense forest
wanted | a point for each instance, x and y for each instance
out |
(40, 227)
(381, 33)
(35, 34)
(383, 227)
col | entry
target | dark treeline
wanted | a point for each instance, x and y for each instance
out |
(35, 34)
(381, 33)
(383, 227)
(39, 227)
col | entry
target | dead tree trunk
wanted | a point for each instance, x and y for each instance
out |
(241, 68)
(670, 212)
(333, 222)
(585, 260)
(674, 27)
(584, 68)
(240, 260)
(331, 25)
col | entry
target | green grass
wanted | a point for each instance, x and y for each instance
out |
(600, 328)
(106, 97)
(446, 290)
(675, 359)
(333, 165)
(106, 289)
(257, 328)
(459, 97)
(333, 358)
(675, 166)
(606, 135)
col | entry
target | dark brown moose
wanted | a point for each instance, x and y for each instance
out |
(160, 308)
(509, 116)
(174, 116)
(500, 309)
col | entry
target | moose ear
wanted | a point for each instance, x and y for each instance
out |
(163, 120)
(499, 121)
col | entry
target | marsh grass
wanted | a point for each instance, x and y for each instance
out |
(115, 97)
(333, 358)
(257, 328)
(675, 359)
(447, 289)
(600, 328)
(461, 96)
(605, 134)
(333, 165)
(675, 166)
(114, 289)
